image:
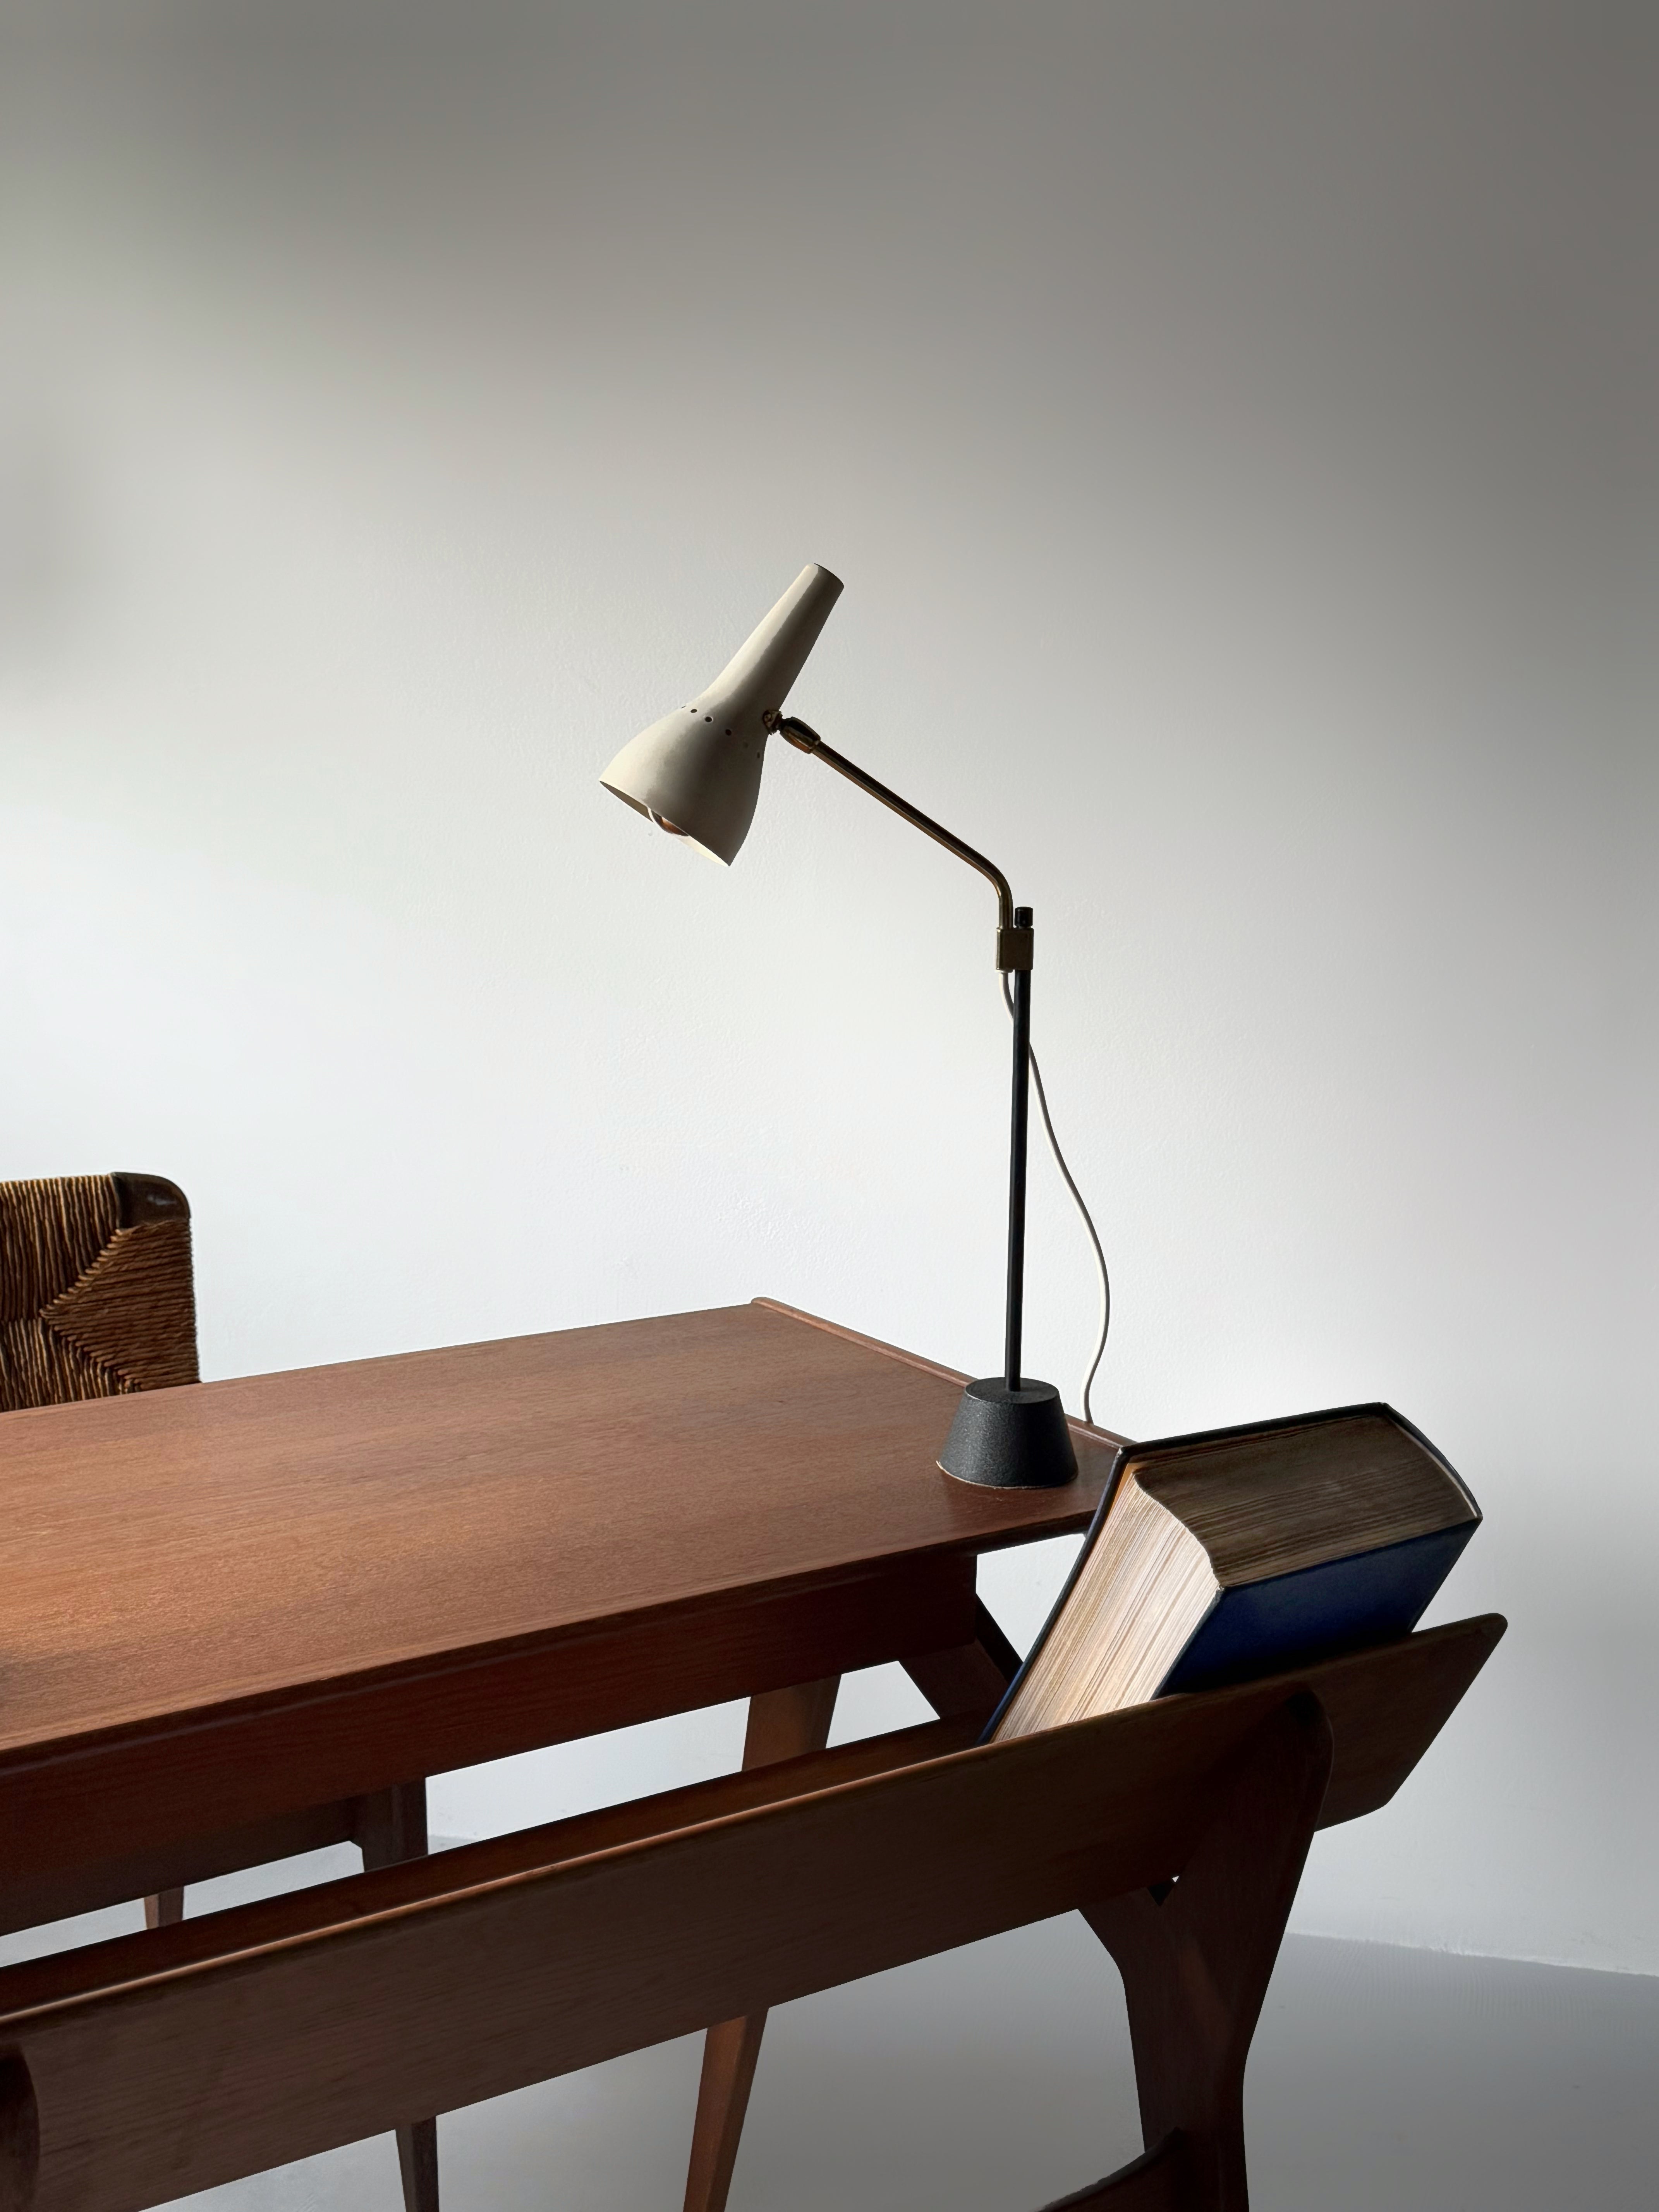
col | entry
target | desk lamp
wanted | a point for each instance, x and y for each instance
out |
(697, 774)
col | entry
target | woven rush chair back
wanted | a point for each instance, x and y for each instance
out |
(96, 1298)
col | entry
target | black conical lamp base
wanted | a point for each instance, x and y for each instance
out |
(1007, 1439)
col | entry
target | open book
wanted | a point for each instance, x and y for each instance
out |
(1238, 1551)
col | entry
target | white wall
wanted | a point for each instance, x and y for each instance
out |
(1226, 421)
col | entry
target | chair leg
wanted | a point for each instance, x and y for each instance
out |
(391, 1827)
(1196, 1956)
(166, 1907)
(782, 1724)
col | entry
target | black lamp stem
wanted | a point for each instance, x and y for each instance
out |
(1021, 984)
(1009, 1434)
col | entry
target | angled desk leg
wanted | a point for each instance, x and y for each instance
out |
(391, 1827)
(1196, 1957)
(782, 1724)
(972, 1678)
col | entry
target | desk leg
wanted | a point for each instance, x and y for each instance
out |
(972, 1678)
(391, 1827)
(1196, 1956)
(782, 1724)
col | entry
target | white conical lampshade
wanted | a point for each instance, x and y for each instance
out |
(697, 771)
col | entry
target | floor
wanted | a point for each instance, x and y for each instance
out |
(998, 2078)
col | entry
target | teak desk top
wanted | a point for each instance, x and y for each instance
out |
(448, 1555)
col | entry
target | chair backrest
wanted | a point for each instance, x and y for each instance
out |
(140, 2070)
(95, 1290)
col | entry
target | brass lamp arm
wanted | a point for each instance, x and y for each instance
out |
(1013, 942)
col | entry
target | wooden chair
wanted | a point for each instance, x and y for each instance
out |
(97, 1299)
(140, 2070)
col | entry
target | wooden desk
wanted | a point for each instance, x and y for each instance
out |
(335, 1580)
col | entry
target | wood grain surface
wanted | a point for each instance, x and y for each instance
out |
(163, 2063)
(280, 1529)
(336, 1580)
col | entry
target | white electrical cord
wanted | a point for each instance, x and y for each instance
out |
(1076, 1196)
